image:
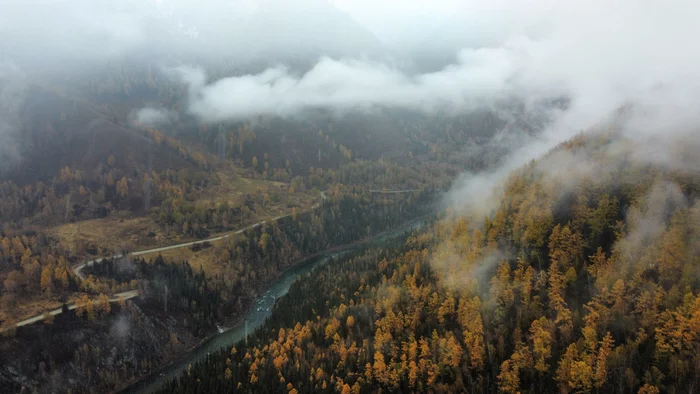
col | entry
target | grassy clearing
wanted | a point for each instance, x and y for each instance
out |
(110, 234)
(100, 237)
(205, 258)
(233, 188)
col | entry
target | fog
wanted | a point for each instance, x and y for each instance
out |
(55, 36)
(600, 54)
(648, 221)
(608, 56)
(12, 89)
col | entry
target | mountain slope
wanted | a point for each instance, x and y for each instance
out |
(58, 131)
(584, 279)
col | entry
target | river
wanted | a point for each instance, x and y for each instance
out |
(261, 310)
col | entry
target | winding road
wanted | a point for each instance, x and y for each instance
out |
(79, 267)
(135, 293)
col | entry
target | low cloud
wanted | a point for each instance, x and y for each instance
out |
(479, 79)
(600, 55)
(638, 78)
(460, 275)
(152, 117)
(646, 223)
(62, 36)
(579, 51)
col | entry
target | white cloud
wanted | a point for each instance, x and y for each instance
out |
(481, 76)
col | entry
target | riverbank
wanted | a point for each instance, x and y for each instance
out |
(275, 288)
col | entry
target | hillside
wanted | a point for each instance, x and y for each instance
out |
(88, 183)
(584, 278)
(61, 131)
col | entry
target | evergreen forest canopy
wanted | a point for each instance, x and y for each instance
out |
(163, 163)
(570, 288)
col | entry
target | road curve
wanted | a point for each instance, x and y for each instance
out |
(134, 293)
(79, 267)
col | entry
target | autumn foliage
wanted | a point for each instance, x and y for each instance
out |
(584, 288)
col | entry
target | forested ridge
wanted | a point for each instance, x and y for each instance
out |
(580, 280)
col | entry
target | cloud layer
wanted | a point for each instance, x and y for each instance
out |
(481, 77)
(600, 54)
(582, 50)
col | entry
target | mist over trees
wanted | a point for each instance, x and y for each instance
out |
(552, 145)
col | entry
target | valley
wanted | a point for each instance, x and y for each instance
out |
(347, 196)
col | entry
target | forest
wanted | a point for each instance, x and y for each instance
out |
(568, 290)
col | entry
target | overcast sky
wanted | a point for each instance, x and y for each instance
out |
(89, 29)
(408, 22)
(392, 20)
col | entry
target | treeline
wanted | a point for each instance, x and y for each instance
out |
(79, 195)
(584, 286)
(377, 174)
(330, 143)
(279, 357)
(281, 148)
(192, 218)
(259, 255)
(184, 302)
(95, 348)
